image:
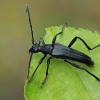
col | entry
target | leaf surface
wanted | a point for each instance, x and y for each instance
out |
(65, 82)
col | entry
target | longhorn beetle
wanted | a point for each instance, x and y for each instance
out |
(58, 51)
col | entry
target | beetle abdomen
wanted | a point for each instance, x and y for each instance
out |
(64, 52)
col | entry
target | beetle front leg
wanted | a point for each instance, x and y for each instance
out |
(54, 38)
(41, 41)
(41, 60)
(48, 63)
(74, 39)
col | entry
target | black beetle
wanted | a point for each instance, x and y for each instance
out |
(58, 51)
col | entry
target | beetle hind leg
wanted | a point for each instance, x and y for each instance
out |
(77, 66)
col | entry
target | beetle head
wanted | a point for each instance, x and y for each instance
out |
(34, 48)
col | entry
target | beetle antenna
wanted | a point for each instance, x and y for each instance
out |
(27, 10)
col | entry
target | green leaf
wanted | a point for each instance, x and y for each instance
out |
(65, 82)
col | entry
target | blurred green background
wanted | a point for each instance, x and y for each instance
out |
(15, 38)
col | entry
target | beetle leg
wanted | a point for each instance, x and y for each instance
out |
(74, 39)
(41, 41)
(41, 60)
(54, 38)
(77, 66)
(48, 63)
